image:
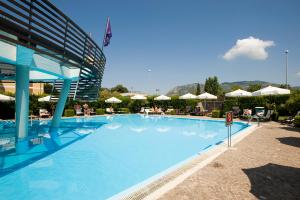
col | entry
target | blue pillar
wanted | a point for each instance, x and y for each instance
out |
(61, 104)
(24, 60)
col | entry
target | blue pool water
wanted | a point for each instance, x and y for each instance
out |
(98, 157)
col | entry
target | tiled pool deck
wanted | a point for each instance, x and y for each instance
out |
(264, 165)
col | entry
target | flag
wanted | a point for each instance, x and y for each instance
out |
(108, 34)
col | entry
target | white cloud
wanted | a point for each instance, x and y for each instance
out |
(298, 73)
(251, 47)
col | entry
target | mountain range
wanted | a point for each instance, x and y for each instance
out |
(191, 88)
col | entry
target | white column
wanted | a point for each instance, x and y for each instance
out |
(23, 62)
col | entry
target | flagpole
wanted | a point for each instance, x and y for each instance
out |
(104, 33)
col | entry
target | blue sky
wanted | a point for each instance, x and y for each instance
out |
(185, 41)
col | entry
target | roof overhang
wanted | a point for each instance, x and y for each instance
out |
(41, 69)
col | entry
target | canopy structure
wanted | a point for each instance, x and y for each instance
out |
(31, 50)
(138, 97)
(113, 100)
(206, 95)
(270, 90)
(238, 93)
(162, 98)
(6, 98)
(45, 99)
(188, 96)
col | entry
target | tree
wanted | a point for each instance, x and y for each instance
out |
(254, 87)
(284, 86)
(235, 87)
(105, 94)
(212, 86)
(119, 88)
(48, 88)
(103, 89)
(293, 103)
(198, 90)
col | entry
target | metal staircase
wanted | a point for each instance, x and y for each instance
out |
(81, 90)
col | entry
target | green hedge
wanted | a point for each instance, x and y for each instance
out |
(293, 104)
(173, 112)
(297, 121)
(269, 102)
(216, 114)
(135, 105)
(282, 118)
(69, 112)
(285, 105)
(124, 110)
(100, 111)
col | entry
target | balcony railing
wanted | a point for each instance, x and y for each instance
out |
(39, 25)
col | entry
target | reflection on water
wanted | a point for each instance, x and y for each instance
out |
(4, 141)
(40, 143)
(207, 135)
(189, 133)
(110, 117)
(163, 129)
(138, 129)
(113, 126)
(84, 131)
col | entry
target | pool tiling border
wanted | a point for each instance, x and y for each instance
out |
(159, 184)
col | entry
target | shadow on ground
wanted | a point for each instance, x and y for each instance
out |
(274, 181)
(292, 141)
(291, 128)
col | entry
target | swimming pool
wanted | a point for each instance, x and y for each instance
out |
(98, 157)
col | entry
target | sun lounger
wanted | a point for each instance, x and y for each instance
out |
(109, 110)
(179, 112)
(188, 109)
(78, 112)
(92, 111)
(169, 110)
(158, 111)
(86, 110)
(146, 111)
(266, 117)
(203, 111)
(291, 120)
(247, 113)
(44, 113)
(196, 112)
(236, 111)
(151, 111)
